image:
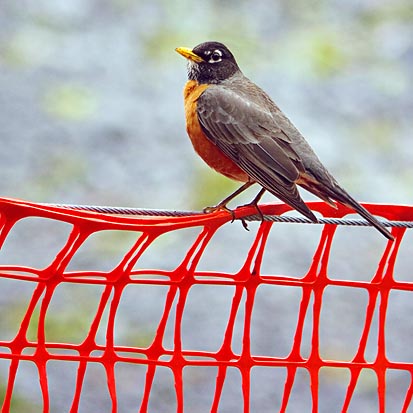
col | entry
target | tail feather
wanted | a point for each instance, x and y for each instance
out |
(369, 218)
(296, 202)
(318, 193)
(340, 195)
(326, 187)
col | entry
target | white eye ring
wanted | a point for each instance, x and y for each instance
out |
(216, 56)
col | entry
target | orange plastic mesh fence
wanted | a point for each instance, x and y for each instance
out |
(302, 373)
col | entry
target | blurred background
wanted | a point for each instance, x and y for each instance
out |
(91, 112)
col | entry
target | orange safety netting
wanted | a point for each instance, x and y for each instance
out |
(179, 282)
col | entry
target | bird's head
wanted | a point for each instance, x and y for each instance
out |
(209, 62)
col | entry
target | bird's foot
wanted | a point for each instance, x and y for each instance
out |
(254, 203)
(257, 208)
(223, 207)
(219, 207)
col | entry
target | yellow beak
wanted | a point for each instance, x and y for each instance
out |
(189, 54)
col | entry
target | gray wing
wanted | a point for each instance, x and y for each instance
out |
(251, 138)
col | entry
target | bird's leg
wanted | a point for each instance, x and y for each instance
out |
(255, 201)
(224, 202)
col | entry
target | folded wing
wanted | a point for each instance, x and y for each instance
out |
(251, 137)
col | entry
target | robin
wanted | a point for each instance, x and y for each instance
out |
(241, 133)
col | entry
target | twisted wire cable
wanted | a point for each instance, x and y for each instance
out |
(254, 217)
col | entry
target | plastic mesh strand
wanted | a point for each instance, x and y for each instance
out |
(179, 282)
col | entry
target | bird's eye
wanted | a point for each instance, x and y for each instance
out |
(215, 57)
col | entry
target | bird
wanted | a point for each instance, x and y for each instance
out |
(238, 130)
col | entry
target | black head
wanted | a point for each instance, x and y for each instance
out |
(209, 62)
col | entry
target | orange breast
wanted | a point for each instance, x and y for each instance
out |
(202, 145)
